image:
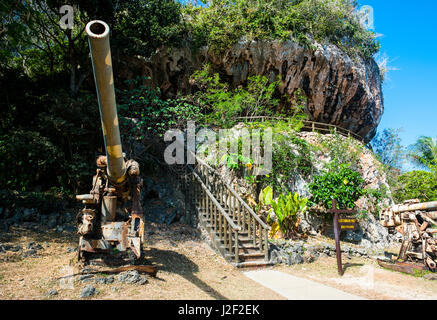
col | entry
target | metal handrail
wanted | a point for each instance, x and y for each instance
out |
(308, 124)
(235, 194)
(214, 217)
(224, 212)
(245, 217)
(216, 203)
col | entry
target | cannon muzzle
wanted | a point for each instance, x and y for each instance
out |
(98, 39)
(424, 206)
(392, 216)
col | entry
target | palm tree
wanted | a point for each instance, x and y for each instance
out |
(424, 152)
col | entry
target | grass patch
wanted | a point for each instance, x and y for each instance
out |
(421, 273)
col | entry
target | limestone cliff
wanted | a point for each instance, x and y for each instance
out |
(339, 90)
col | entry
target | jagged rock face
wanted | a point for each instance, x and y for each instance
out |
(339, 90)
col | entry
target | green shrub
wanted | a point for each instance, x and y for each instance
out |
(45, 202)
(340, 183)
(222, 23)
(291, 156)
(223, 104)
(342, 150)
(27, 159)
(234, 161)
(286, 209)
(420, 185)
(153, 115)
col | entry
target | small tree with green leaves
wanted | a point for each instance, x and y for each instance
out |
(338, 182)
(388, 149)
(417, 184)
(224, 103)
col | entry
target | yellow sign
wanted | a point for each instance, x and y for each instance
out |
(347, 221)
(350, 226)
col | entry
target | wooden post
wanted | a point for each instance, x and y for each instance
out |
(214, 218)
(230, 238)
(238, 213)
(254, 231)
(236, 247)
(266, 246)
(219, 222)
(336, 211)
(225, 233)
(337, 240)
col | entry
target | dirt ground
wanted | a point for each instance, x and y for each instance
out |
(365, 278)
(187, 269)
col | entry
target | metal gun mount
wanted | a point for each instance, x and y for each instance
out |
(417, 223)
(112, 218)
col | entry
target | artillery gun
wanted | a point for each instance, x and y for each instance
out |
(112, 218)
(417, 223)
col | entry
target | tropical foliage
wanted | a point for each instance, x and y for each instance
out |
(222, 23)
(387, 147)
(424, 152)
(144, 112)
(222, 103)
(338, 182)
(49, 125)
(416, 184)
(286, 208)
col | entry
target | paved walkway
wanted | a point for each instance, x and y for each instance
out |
(294, 288)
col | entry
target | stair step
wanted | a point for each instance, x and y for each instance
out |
(244, 250)
(243, 237)
(242, 232)
(244, 257)
(252, 264)
(249, 255)
(203, 213)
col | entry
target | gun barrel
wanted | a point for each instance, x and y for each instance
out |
(425, 206)
(98, 39)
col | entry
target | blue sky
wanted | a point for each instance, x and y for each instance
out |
(410, 41)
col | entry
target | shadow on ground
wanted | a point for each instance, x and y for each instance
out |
(351, 265)
(42, 234)
(174, 262)
(165, 260)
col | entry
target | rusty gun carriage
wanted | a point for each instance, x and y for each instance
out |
(417, 223)
(112, 219)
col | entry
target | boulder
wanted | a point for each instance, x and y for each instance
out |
(131, 277)
(30, 215)
(88, 291)
(107, 280)
(296, 258)
(52, 292)
(430, 276)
